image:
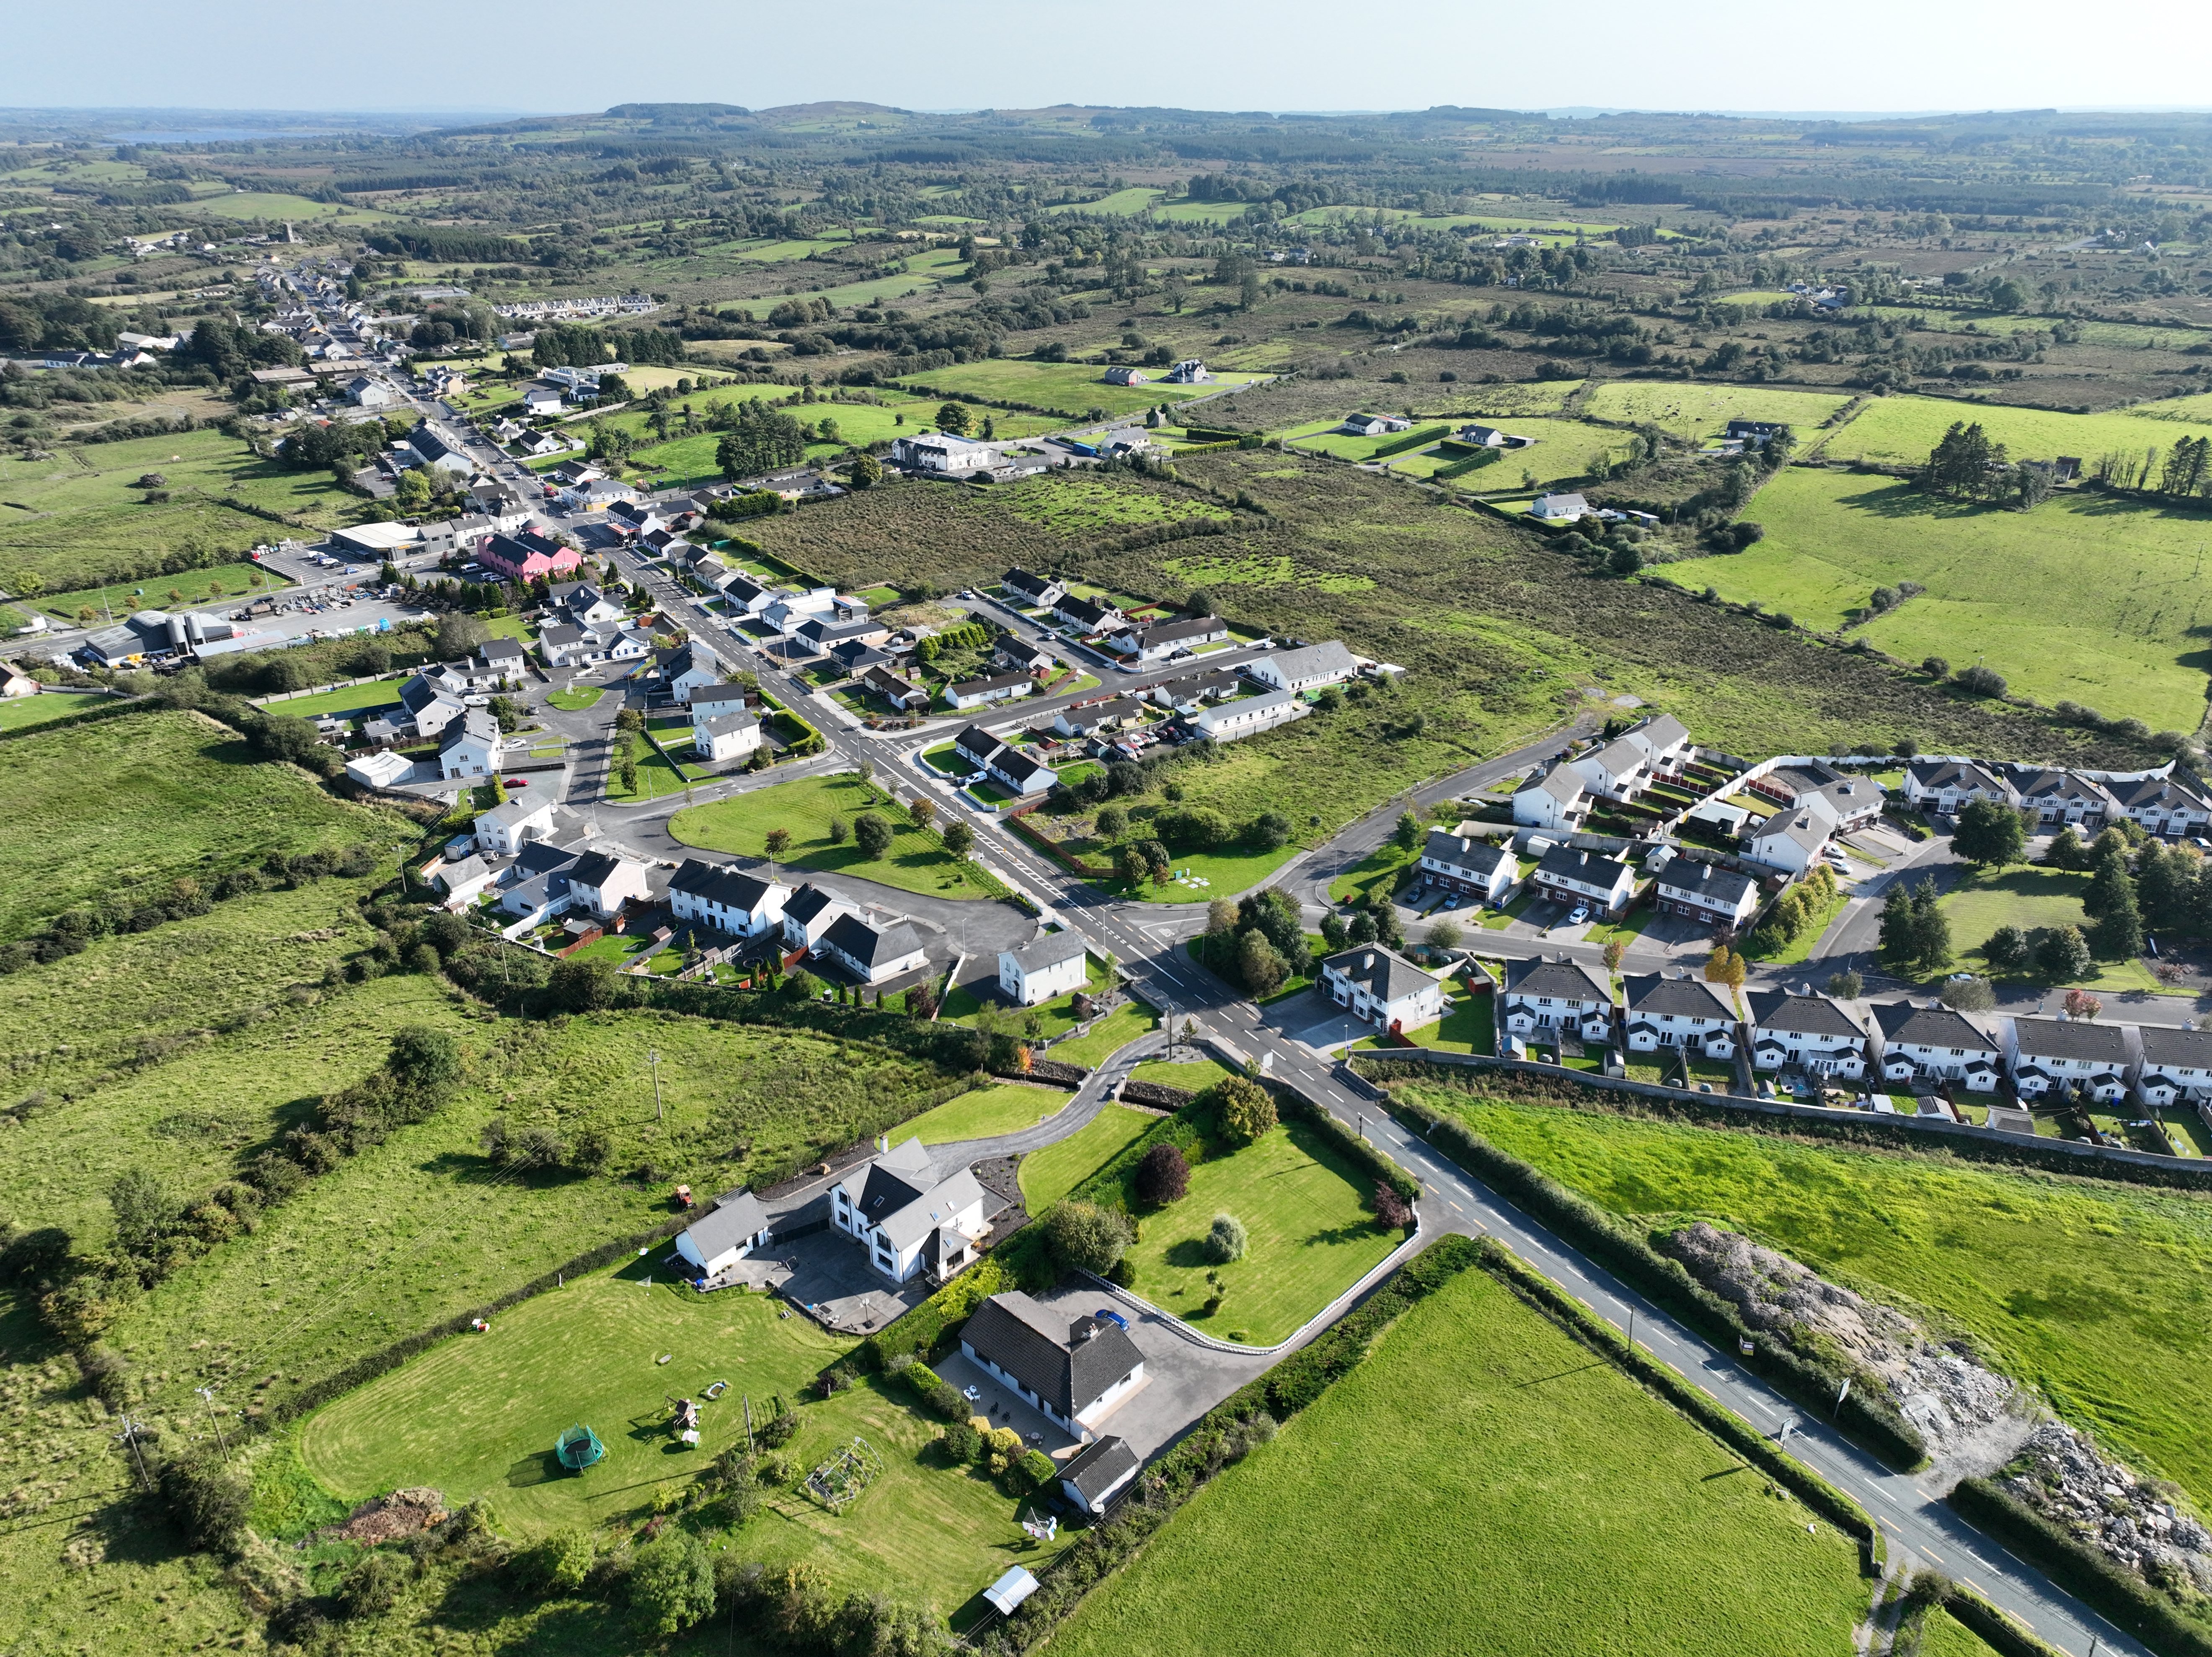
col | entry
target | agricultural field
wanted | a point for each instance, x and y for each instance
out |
(1901, 430)
(264, 204)
(1702, 411)
(1311, 1238)
(1456, 1493)
(915, 863)
(137, 801)
(1049, 1175)
(186, 590)
(2092, 1292)
(1082, 504)
(1123, 203)
(2091, 598)
(1070, 388)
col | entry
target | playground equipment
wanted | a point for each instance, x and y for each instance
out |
(578, 1447)
(838, 1482)
(684, 1423)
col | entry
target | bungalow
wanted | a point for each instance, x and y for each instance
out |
(1659, 1011)
(880, 681)
(1482, 869)
(1193, 690)
(976, 745)
(2050, 1055)
(1706, 893)
(1789, 840)
(1038, 592)
(1074, 1379)
(1489, 437)
(1922, 1045)
(688, 667)
(737, 1225)
(506, 830)
(1100, 717)
(1947, 786)
(1554, 799)
(528, 556)
(536, 442)
(725, 737)
(1304, 669)
(1088, 616)
(978, 693)
(823, 632)
(1101, 1470)
(1620, 770)
(908, 1219)
(543, 400)
(1248, 715)
(2177, 1065)
(1558, 508)
(471, 746)
(1808, 1030)
(1573, 879)
(1554, 994)
(603, 883)
(1014, 652)
(1018, 772)
(461, 882)
(1150, 644)
(2162, 805)
(1383, 988)
(810, 912)
(728, 900)
(1374, 425)
(1125, 376)
(2060, 797)
(1752, 433)
(1055, 965)
(873, 951)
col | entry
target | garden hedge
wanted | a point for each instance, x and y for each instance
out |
(1995, 1630)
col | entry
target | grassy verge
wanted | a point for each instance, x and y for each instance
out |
(917, 861)
(1107, 1037)
(985, 1114)
(575, 701)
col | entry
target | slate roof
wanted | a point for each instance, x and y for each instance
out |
(737, 1219)
(1330, 657)
(1565, 862)
(1384, 973)
(1166, 632)
(714, 695)
(1791, 1014)
(1066, 1363)
(1654, 996)
(1957, 775)
(2071, 1038)
(1560, 783)
(999, 682)
(1049, 951)
(714, 883)
(1087, 614)
(1708, 882)
(1568, 980)
(1105, 1465)
(1904, 1024)
(1034, 587)
(869, 943)
(594, 868)
(1800, 827)
(2181, 1049)
(1479, 857)
(1619, 758)
(477, 722)
(810, 900)
(2155, 790)
(1660, 730)
(721, 725)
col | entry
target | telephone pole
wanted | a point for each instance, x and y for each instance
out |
(652, 1058)
(207, 1396)
(130, 1435)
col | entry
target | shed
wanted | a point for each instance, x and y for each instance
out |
(1009, 1591)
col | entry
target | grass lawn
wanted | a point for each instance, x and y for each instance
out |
(2089, 597)
(1191, 1075)
(353, 699)
(2094, 1292)
(1055, 1017)
(1452, 1494)
(1380, 867)
(1225, 874)
(657, 778)
(575, 701)
(1467, 1028)
(1107, 1037)
(1006, 1107)
(1630, 927)
(2028, 897)
(1049, 1175)
(1799, 948)
(1312, 1237)
(1699, 411)
(739, 825)
(188, 589)
(19, 712)
(1496, 920)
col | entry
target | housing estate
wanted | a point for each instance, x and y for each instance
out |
(1659, 1011)
(728, 900)
(2177, 1065)
(1380, 987)
(469, 747)
(2059, 1055)
(907, 1218)
(1088, 616)
(1552, 994)
(1706, 893)
(979, 692)
(810, 912)
(873, 951)
(1948, 786)
(1038, 591)
(1801, 1028)
(1073, 1371)
(1922, 1046)
(1576, 878)
(1481, 869)
(1555, 799)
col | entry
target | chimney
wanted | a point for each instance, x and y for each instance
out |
(1082, 1331)
(1367, 962)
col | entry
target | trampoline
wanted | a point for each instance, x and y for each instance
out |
(578, 1447)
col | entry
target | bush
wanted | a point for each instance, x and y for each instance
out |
(671, 1586)
(1084, 1237)
(1039, 1470)
(1225, 1240)
(376, 1583)
(959, 1442)
(1162, 1175)
(1247, 1109)
(780, 1429)
(1391, 1211)
(1981, 681)
(208, 1497)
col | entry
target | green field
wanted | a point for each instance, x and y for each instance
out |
(1123, 203)
(1901, 430)
(1563, 448)
(262, 205)
(2028, 898)
(1311, 1238)
(21, 712)
(986, 1112)
(1482, 1484)
(1107, 1036)
(917, 862)
(2089, 599)
(187, 589)
(1079, 504)
(1192, 1075)
(1701, 411)
(1070, 388)
(2095, 1293)
(382, 693)
(1049, 1175)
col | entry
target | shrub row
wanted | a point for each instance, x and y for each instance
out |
(1156, 1095)
(2110, 1589)
(1997, 1631)
(1812, 1383)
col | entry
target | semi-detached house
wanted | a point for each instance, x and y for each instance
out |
(1925, 1045)
(2051, 1056)
(1814, 1032)
(1658, 1011)
(2162, 805)
(1706, 893)
(1550, 994)
(1948, 786)
(1575, 878)
(2177, 1065)
(1481, 869)
(728, 900)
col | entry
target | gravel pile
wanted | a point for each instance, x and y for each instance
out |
(2107, 1507)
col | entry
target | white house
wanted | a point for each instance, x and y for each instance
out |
(2060, 797)
(1481, 869)
(1802, 1028)
(1663, 738)
(1922, 1045)
(980, 693)
(603, 883)
(1546, 995)
(2050, 1055)
(1658, 1011)
(1305, 668)
(370, 393)
(1789, 840)
(2177, 1065)
(1559, 508)
(1160, 639)
(1191, 371)
(1947, 786)
(736, 1226)
(471, 746)
(2162, 805)
(810, 912)
(1056, 964)
(725, 737)
(542, 400)
(1705, 894)
(943, 453)
(687, 667)
(908, 1219)
(1088, 616)
(871, 951)
(1038, 592)
(506, 830)
(1380, 987)
(1246, 715)
(1620, 770)
(1092, 1477)
(1099, 717)
(1074, 1379)
(1556, 799)
(728, 900)
(1373, 425)
(462, 882)
(1573, 878)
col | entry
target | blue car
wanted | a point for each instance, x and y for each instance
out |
(1114, 1318)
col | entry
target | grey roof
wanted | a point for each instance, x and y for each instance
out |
(1661, 730)
(499, 650)
(1330, 657)
(720, 725)
(738, 1218)
(1481, 856)
(459, 874)
(477, 722)
(1568, 980)
(893, 1181)
(1657, 996)
(1707, 882)
(1048, 952)
(1068, 1370)
(810, 900)
(714, 883)
(853, 654)
(1022, 581)
(1166, 632)
(690, 656)
(1796, 826)
(1386, 975)
(560, 636)
(1103, 1465)
(2181, 1048)
(1565, 862)
(2071, 1038)
(1940, 775)
(1902, 1023)
(1619, 756)
(997, 682)
(709, 695)
(1802, 1015)
(1019, 765)
(1560, 782)
(1086, 611)
(2167, 791)
(594, 868)
(871, 944)
(930, 1209)
(973, 739)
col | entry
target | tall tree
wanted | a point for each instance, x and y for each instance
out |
(1990, 834)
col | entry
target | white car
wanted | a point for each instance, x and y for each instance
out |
(1580, 915)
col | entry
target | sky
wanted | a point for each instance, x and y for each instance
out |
(566, 55)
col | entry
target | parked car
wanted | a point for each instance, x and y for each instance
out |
(1581, 914)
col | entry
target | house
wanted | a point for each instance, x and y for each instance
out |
(435, 446)
(542, 400)
(1490, 437)
(1073, 1371)
(471, 746)
(1664, 739)
(1038, 592)
(1101, 1470)
(943, 453)
(873, 951)
(1188, 371)
(856, 657)
(498, 660)
(725, 737)
(1922, 1045)
(1659, 1011)
(528, 555)
(822, 632)
(1482, 869)
(1554, 799)
(561, 646)
(686, 668)
(2053, 1055)
(809, 912)
(1549, 994)
(1057, 963)
(461, 882)
(2162, 805)
(1383, 988)
(597, 494)
(1844, 801)
(1801, 1028)
(535, 442)
(977, 693)
(603, 883)
(431, 705)
(880, 681)
(976, 745)
(728, 900)
(1705, 894)
(1374, 425)
(1788, 840)
(1087, 617)
(636, 516)
(1100, 717)
(1558, 508)
(1194, 690)
(585, 603)
(1304, 669)
(538, 883)
(1752, 433)
(736, 1226)
(1576, 879)
(369, 393)
(1227, 721)
(711, 701)
(1014, 652)
(1620, 770)
(1125, 376)
(1150, 644)
(2060, 797)
(1947, 786)
(2177, 1065)
(908, 1219)
(506, 830)
(1017, 770)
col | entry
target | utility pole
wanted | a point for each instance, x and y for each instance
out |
(207, 1395)
(1632, 1329)
(652, 1058)
(130, 1435)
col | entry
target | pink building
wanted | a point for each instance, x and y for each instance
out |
(526, 556)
